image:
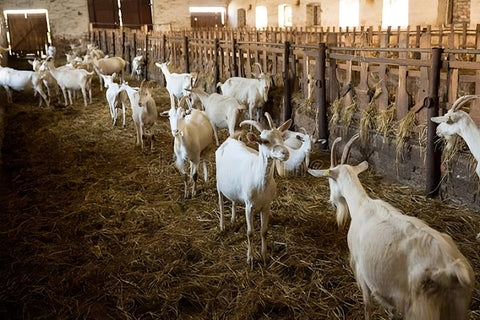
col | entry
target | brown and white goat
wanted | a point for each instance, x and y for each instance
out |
(412, 270)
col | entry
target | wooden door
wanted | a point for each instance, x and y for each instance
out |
(28, 32)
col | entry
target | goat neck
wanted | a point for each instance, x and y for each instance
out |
(469, 131)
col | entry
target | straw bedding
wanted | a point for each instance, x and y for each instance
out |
(92, 228)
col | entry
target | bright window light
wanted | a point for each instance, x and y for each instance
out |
(349, 13)
(395, 13)
(284, 16)
(261, 17)
(220, 10)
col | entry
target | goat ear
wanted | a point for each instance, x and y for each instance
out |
(438, 119)
(330, 173)
(361, 167)
(252, 137)
(285, 125)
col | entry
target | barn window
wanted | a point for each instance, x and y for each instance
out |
(349, 13)
(136, 13)
(28, 31)
(314, 14)
(284, 16)
(261, 17)
(104, 13)
(204, 17)
(458, 11)
(241, 18)
(395, 13)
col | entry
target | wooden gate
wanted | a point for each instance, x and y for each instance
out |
(28, 32)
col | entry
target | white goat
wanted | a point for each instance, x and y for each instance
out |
(177, 83)
(252, 92)
(144, 113)
(70, 80)
(116, 98)
(456, 121)
(48, 80)
(108, 66)
(138, 64)
(245, 175)
(223, 111)
(299, 146)
(412, 270)
(193, 135)
(20, 80)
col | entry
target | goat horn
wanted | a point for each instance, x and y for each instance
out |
(259, 66)
(462, 100)
(333, 155)
(348, 146)
(270, 121)
(304, 130)
(253, 123)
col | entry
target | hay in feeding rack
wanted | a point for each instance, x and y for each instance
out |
(347, 116)
(367, 122)
(385, 120)
(335, 110)
(404, 132)
(93, 227)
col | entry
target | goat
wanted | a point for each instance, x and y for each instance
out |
(116, 98)
(299, 146)
(70, 79)
(20, 80)
(144, 113)
(138, 64)
(412, 270)
(177, 83)
(456, 121)
(223, 111)
(245, 175)
(252, 92)
(193, 135)
(47, 78)
(108, 66)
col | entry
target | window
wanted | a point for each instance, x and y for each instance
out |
(261, 17)
(241, 18)
(284, 16)
(349, 13)
(395, 13)
(136, 13)
(204, 17)
(104, 13)
(458, 11)
(314, 14)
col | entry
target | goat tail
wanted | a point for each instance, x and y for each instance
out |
(461, 271)
(443, 293)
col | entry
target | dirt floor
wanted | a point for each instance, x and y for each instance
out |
(94, 228)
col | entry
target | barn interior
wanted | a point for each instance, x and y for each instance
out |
(95, 228)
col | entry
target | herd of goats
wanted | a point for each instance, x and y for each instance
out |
(412, 270)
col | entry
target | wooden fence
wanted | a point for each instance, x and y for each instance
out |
(322, 65)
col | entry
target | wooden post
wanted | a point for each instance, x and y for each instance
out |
(216, 61)
(433, 165)
(234, 58)
(146, 56)
(320, 95)
(186, 54)
(123, 45)
(287, 89)
(105, 38)
(113, 43)
(164, 48)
